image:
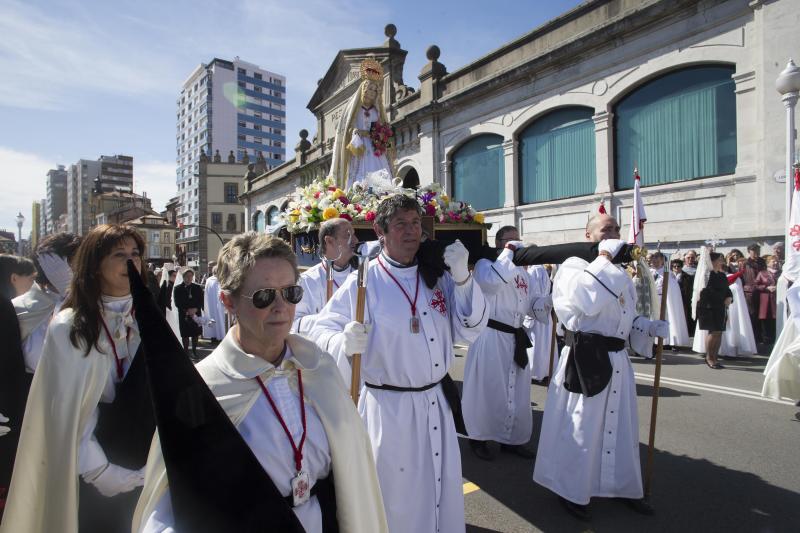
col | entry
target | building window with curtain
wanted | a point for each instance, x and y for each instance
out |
(557, 156)
(479, 172)
(681, 126)
(231, 193)
(230, 223)
(272, 216)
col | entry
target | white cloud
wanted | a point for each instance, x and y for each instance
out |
(51, 62)
(22, 181)
(156, 179)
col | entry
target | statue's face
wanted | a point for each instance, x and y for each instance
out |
(369, 94)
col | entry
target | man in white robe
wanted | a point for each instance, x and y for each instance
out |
(214, 309)
(407, 349)
(336, 240)
(589, 442)
(497, 378)
(540, 332)
(678, 332)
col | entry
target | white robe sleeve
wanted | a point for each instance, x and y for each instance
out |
(91, 457)
(493, 276)
(576, 293)
(639, 338)
(470, 312)
(304, 311)
(329, 324)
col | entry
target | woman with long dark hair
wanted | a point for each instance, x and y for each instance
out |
(88, 422)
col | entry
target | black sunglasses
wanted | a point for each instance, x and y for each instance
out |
(264, 297)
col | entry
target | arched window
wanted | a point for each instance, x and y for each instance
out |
(272, 216)
(479, 172)
(258, 222)
(557, 156)
(681, 126)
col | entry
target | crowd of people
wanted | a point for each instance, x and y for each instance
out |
(264, 428)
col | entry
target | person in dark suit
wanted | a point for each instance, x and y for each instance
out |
(712, 309)
(189, 301)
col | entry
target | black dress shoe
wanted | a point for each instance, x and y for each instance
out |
(481, 449)
(518, 449)
(581, 512)
(640, 506)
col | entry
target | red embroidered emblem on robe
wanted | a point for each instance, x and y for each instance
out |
(521, 283)
(438, 303)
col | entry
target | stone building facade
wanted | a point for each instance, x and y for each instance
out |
(543, 128)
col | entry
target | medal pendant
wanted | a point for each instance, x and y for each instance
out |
(301, 488)
(621, 300)
(414, 324)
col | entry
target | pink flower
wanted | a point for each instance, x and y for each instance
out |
(430, 210)
(370, 216)
(357, 207)
(317, 194)
(346, 217)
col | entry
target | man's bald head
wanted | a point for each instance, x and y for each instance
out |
(336, 239)
(601, 226)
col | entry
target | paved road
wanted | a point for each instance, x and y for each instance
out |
(725, 460)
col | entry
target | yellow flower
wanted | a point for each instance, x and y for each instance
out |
(478, 218)
(338, 193)
(329, 213)
(294, 215)
(445, 198)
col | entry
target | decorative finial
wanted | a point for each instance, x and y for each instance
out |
(433, 53)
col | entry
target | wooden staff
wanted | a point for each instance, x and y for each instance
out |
(552, 346)
(329, 276)
(361, 299)
(648, 477)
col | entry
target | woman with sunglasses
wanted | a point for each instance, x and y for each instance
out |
(88, 422)
(287, 400)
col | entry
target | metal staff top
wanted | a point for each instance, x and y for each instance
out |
(329, 262)
(363, 264)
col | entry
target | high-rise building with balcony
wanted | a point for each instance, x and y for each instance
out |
(225, 109)
(84, 178)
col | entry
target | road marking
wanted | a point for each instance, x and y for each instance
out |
(708, 387)
(469, 486)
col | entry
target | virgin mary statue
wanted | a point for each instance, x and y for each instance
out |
(356, 157)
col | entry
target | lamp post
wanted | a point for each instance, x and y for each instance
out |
(20, 222)
(788, 85)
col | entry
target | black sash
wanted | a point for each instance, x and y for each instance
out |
(521, 341)
(451, 394)
(588, 369)
(124, 430)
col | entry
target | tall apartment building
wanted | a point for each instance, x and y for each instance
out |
(56, 204)
(226, 107)
(36, 220)
(106, 174)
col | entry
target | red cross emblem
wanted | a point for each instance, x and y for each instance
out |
(521, 283)
(438, 303)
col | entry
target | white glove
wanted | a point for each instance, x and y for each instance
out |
(516, 244)
(356, 336)
(455, 257)
(116, 480)
(542, 307)
(659, 328)
(57, 270)
(612, 246)
(4, 429)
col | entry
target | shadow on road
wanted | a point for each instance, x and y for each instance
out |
(689, 495)
(645, 390)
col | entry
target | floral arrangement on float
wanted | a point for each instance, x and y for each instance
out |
(322, 200)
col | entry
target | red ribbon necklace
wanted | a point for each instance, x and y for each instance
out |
(298, 450)
(414, 319)
(120, 372)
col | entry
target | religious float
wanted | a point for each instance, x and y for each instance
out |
(362, 174)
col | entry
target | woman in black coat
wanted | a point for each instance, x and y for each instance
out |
(712, 308)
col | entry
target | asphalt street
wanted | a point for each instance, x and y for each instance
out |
(725, 459)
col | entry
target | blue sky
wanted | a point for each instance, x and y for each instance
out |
(81, 79)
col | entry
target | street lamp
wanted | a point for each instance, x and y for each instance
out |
(788, 85)
(20, 222)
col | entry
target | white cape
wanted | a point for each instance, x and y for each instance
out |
(738, 339)
(782, 375)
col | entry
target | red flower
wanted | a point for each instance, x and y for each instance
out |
(370, 216)
(344, 200)
(346, 217)
(332, 188)
(357, 207)
(317, 194)
(430, 210)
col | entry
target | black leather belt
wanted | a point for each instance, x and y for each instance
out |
(521, 341)
(450, 391)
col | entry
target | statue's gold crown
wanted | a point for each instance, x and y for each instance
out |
(371, 70)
